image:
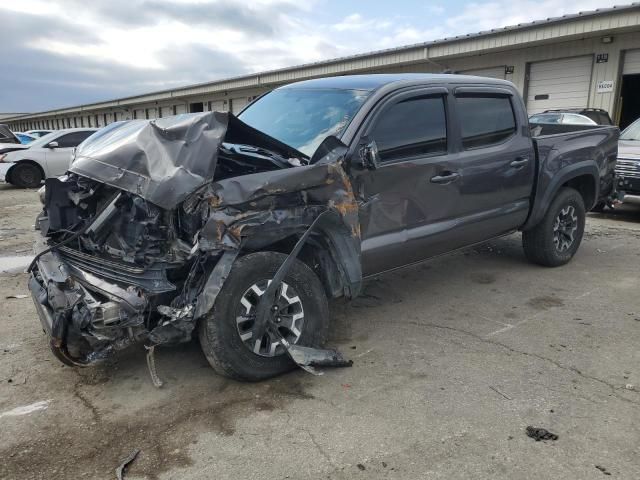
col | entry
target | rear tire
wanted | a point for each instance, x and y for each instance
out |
(26, 175)
(219, 330)
(555, 240)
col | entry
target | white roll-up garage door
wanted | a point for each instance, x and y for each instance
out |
(218, 105)
(237, 104)
(559, 84)
(166, 111)
(631, 62)
(495, 72)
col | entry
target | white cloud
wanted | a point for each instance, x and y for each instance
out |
(150, 43)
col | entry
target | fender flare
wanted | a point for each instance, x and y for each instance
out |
(543, 199)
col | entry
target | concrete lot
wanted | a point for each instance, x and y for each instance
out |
(453, 359)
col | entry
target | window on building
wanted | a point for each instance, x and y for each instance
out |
(413, 127)
(485, 120)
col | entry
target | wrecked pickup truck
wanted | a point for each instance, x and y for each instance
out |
(240, 229)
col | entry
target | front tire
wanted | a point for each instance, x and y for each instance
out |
(225, 332)
(555, 240)
(26, 175)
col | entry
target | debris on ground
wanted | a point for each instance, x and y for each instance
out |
(151, 363)
(361, 467)
(125, 463)
(17, 296)
(629, 386)
(307, 358)
(540, 434)
(603, 470)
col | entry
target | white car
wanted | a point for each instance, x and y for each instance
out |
(48, 156)
(10, 147)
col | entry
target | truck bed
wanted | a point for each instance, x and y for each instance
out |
(560, 156)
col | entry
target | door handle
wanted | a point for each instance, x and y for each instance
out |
(447, 177)
(519, 162)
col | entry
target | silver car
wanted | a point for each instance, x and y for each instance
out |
(628, 164)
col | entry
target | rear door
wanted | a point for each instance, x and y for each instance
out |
(495, 160)
(58, 160)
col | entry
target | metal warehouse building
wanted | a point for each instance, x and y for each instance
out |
(590, 59)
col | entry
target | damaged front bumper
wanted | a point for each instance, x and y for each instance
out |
(85, 317)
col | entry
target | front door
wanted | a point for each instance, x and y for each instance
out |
(58, 159)
(413, 187)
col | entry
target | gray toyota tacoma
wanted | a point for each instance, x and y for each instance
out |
(241, 228)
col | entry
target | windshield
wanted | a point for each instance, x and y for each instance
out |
(632, 132)
(303, 118)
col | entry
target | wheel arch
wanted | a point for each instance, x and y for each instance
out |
(22, 162)
(333, 254)
(332, 251)
(583, 177)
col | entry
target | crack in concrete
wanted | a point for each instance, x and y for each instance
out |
(85, 401)
(320, 449)
(557, 364)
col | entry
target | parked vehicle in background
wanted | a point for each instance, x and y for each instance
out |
(312, 188)
(48, 156)
(25, 138)
(561, 119)
(628, 164)
(10, 147)
(598, 115)
(7, 136)
(38, 133)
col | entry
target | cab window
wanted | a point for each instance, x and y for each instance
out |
(485, 120)
(412, 127)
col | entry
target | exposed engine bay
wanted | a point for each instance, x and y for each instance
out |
(138, 238)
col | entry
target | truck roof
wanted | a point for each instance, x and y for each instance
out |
(373, 82)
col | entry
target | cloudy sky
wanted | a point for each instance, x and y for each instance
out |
(59, 53)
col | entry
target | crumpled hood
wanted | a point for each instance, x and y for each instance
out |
(165, 160)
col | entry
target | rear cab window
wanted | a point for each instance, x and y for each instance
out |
(412, 127)
(485, 119)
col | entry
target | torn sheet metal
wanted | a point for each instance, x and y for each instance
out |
(308, 358)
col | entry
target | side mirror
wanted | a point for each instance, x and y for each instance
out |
(53, 144)
(369, 155)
